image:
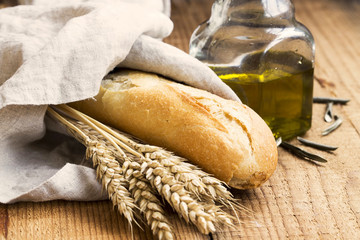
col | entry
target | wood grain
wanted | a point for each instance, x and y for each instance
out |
(300, 201)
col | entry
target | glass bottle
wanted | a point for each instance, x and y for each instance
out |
(259, 49)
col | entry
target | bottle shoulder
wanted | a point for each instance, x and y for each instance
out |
(231, 33)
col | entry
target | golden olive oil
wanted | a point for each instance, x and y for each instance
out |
(282, 99)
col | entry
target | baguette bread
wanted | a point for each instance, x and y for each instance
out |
(223, 137)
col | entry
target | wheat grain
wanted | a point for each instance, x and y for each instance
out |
(194, 180)
(146, 199)
(179, 198)
(108, 170)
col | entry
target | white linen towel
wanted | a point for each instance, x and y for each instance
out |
(54, 52)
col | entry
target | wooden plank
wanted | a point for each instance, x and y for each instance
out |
(4, 220)
(76, 220)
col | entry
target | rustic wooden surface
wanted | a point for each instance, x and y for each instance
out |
(300, 201)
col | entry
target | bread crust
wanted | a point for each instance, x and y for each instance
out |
(223, 137)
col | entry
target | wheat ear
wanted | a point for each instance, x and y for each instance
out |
(182, 200)
(146, 199)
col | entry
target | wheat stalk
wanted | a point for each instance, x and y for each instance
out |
(109, 172)
(196, 181)
(147, 201)
(179, 198)
(134, 174)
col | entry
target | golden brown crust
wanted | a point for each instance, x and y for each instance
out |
(221, 136)
(265, 155)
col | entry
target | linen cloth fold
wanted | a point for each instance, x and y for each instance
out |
(54, 52)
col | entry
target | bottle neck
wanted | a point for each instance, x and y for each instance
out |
(253, 9)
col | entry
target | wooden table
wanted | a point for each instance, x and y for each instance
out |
(300, 201)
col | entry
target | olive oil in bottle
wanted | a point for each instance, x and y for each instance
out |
(282, 99)
(259, 49)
